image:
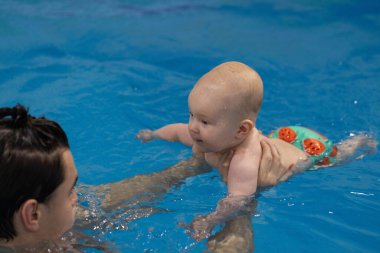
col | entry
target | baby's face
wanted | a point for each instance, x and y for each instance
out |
(213, 122)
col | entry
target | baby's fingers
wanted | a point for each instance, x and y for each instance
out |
(144, 135)
(139, 135)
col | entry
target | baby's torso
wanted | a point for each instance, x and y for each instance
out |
(216, 160)
(289, 154)
(249, 150)
(319, 151)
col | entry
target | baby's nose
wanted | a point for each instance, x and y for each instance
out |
(193, 127)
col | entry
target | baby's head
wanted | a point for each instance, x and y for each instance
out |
(234, 86)
(227, 100)
(36, 174)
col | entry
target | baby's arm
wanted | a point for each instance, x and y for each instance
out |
(242, 184)
(174, 132)
(227, 209)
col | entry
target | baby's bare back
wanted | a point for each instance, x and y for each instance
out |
(290, 155)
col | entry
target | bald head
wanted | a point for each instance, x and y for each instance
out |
(238, 84)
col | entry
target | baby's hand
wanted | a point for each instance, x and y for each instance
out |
(200, 228)
(145, 135)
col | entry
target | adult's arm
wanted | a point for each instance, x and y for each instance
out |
(146, 187)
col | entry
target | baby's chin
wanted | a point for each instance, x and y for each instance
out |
(204, 149)
(198, 147)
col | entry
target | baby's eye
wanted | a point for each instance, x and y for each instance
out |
(204, 122)
(191, 115)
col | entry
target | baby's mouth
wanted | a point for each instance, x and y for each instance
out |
(197, 140)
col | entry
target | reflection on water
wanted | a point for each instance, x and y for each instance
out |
(95, 220)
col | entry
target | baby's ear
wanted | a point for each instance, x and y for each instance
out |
(245, 127)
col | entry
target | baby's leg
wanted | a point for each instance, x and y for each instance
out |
(355, 147)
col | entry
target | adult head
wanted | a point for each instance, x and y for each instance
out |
(37, 178)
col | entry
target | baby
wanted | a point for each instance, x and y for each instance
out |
(224, 105)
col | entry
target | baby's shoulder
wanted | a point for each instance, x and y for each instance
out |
(252, 145)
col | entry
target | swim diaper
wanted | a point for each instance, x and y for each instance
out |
(319, 149)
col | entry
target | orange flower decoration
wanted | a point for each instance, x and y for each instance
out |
(287, 134)
(324, 162)
(313, 146)
(334, 152)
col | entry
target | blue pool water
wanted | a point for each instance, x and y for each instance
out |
(105, 69)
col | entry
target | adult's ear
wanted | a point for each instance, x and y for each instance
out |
(30, 215)
(245, 128)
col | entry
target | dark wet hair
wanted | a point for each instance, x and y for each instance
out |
(31, 165)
